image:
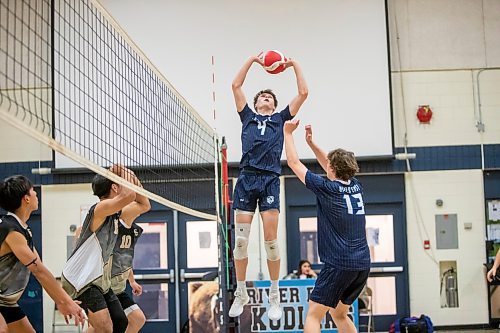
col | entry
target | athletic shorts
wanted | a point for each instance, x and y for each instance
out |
(334, 285)
(12, 313)
(94, 300)
(255, 187)
(127, 302)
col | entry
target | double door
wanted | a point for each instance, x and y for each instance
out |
(176, 259)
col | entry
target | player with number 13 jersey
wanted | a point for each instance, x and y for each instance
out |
(342, 212)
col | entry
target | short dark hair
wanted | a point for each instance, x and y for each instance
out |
(12, 191)
(265, 91)
(343, 163)
(101, 186)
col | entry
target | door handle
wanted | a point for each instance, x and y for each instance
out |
(198, 276)
(157, 276)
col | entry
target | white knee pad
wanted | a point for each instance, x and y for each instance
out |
(243, 212)
(272, 249)
(241, 243)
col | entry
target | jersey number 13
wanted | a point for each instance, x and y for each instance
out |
(357, 200)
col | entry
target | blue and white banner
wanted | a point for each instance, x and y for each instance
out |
(294, 296)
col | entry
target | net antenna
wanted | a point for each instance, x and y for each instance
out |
(71, 78)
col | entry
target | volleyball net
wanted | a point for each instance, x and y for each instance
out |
(71, 78)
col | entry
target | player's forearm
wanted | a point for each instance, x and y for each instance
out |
(242, 73)
(143, 202)
(131, 278)
(320, 155)
(496, 264)
(302, 88)
(141, 199)
(49, 283)
(292, 157)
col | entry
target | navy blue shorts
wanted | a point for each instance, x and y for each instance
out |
(251, 188)
(334, 285)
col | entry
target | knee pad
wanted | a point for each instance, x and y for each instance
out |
(272, 249)
(243, 212)
(242, 233)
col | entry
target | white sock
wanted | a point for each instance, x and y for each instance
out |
(274, 286)
(242, 285)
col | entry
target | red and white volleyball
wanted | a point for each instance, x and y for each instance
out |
(274, 62)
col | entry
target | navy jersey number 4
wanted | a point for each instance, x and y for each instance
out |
(354, 204)
(261, 125)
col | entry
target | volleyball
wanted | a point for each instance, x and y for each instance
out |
(274, 62)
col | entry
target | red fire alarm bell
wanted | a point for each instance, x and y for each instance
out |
(424, 114)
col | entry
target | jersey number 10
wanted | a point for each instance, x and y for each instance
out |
(126, 242)
(356, 199)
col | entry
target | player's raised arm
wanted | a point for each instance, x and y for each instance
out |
(291, 152)
(239, 96)
(302, 90)
(110, 203)
(318, 152)
(141, 203)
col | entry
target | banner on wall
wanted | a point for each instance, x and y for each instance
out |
(294, 296)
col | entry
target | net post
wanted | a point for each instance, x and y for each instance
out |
(227, 276)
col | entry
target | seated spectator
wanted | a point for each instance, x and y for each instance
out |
(305, 271)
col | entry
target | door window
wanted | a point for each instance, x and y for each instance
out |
(154, 301)
(201, 238)
(150, 250)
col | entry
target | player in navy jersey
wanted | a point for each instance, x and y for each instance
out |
(342, 244)
(19, 258)
(258, 182)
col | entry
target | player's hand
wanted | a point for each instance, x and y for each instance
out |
(491, 274)
(309, 134)
(136, 288)
(291, 125)
(117, 169)
(123, 172)
(72, 310)
(259, 58)
(288, 62)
